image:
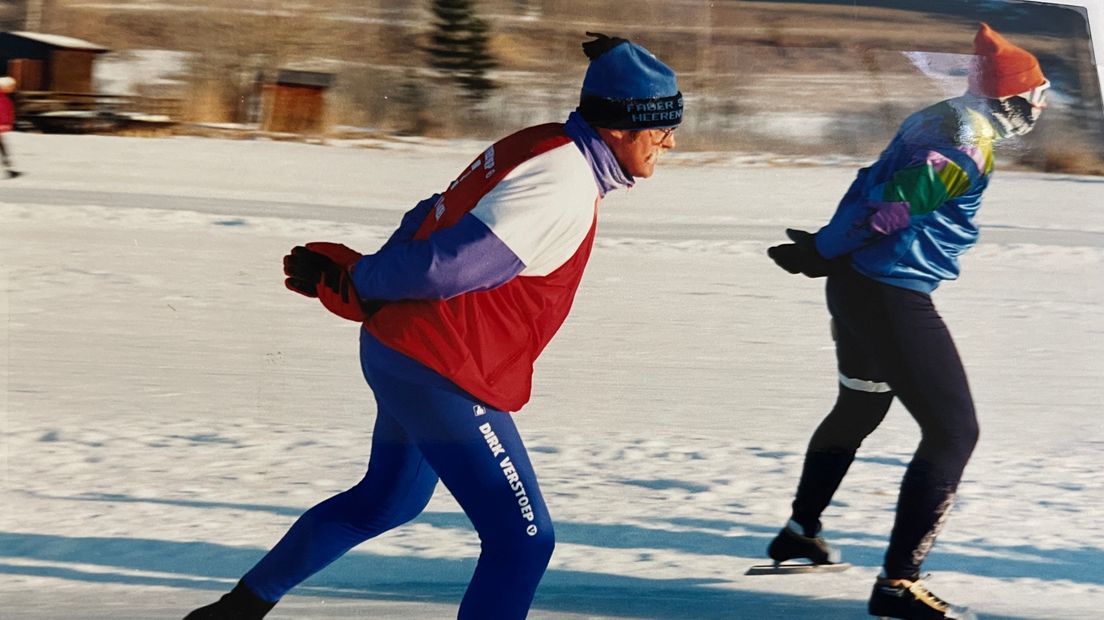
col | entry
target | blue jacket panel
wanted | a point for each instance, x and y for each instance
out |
(907, 218)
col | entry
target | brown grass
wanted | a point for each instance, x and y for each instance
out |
(735, 59)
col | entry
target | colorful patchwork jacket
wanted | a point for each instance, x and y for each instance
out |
(908, 217)
(482, 276)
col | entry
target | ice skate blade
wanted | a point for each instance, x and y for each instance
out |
(961, 614)
(796, 569)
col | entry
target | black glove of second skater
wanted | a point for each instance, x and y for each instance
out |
(801, 256)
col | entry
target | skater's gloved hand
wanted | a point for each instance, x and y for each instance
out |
(801, 256)
(335, 295)
(306, 270)
(321, 270)
(343, 255)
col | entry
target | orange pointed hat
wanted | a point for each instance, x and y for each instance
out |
(1002, 69)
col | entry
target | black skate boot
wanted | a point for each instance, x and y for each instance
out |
(791, 544)
(911, 600)
(238, 604)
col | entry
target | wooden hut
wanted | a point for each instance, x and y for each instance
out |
(48, 62)
(296, 101)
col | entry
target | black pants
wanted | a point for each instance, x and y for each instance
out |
(891, 342)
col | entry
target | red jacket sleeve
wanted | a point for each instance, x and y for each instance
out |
(7, 112)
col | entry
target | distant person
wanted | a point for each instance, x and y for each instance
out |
(7, 121)
(895, 236)
(456, 306)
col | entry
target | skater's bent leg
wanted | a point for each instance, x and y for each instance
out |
(932, 384)
(927, 494)
(832, 450)
(485, 466)
(504, 503)
(397, 486)
(923, 505)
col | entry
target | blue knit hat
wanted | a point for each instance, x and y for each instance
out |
(627, 87)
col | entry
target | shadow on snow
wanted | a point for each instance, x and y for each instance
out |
(200, 565)
(367, 576)
(998, 562)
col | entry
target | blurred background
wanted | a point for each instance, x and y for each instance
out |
(814, 78)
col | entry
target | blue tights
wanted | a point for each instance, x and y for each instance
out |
(427, 428)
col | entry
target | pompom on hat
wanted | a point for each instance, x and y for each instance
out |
(627, 87)
(1000, 68)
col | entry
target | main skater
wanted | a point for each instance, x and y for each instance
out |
(456, 306)
(898, 233)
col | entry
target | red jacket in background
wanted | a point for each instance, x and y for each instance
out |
(7, 113)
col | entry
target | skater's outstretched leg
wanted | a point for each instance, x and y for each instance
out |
(397, 486)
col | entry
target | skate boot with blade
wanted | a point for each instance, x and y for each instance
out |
(238, 604)
(813, 552)
(911, 600)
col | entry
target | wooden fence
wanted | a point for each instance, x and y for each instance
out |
(78, 112)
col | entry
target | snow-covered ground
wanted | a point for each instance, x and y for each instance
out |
(167, 408)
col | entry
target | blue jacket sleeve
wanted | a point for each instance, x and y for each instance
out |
(462, 258)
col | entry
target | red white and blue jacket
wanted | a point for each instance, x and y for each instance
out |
(482, 276)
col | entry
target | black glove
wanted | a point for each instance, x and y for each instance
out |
(314, 271)
(306, 270)
(801, 256)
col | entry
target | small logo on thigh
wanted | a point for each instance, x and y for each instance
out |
(479, 410)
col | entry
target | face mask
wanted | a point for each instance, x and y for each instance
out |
(1017, 114)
